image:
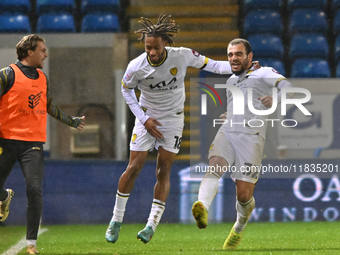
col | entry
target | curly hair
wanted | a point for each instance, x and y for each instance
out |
(165, 28)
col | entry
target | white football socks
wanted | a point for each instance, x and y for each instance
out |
(31, 241)
(208, 189)
(156, 213)
(119, 208)
(243, 214)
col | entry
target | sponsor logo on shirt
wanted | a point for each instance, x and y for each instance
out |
(33, 100)
(163, 85)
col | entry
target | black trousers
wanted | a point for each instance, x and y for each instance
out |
(31, 159)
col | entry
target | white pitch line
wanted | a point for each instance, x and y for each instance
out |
(20, 245)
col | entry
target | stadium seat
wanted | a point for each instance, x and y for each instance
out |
(249, 5)
(336, 24)
(335, 5)
(56, 23)
(308, 20)
(337, 75)
(337, 49)
(88, 6)
(14, 23)
(310, 68)
(15, 6)
(277, 64)
(297, 4)
(100, 23)
(57, 6)
(266, 46)
(309, 45)
(262, 21)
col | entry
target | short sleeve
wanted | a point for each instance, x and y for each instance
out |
(193, 58)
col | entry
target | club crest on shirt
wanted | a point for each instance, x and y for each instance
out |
(174, 71)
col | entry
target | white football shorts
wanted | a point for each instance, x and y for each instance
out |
(242, 151)
(141, 140)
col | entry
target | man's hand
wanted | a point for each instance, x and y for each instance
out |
(267, 101)
(81, 124)
(151, 126)
(223, 116)
(257, 64)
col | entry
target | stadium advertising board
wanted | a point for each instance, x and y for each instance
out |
(306, 198)
(316, 130)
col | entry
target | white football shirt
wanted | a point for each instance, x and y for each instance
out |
(261, 81)
(162, 86)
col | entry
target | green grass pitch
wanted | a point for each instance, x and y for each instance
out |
(259, 238)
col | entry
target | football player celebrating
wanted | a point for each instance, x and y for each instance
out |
(239, 145)
(159, 74)
(25, 100)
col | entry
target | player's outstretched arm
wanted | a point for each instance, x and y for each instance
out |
(219, 67)
(223, 67)
(57, 113)
(81, 123)
(256, 64)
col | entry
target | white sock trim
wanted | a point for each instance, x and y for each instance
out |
(156, 213)
(120, 205)
(244, 211)
(31, 241)
(123, 194)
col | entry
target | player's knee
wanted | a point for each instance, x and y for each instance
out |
(163, 172)
(133, 170)
(244, 197)
(217, 161)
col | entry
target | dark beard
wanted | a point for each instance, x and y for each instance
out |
(237, 73)
(160, 58)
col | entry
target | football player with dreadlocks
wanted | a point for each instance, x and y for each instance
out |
(159, 74)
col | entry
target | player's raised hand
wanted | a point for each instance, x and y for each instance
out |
(151, 126)
(81, 124)
(267, 101)
(257, 64)
(223, 116)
